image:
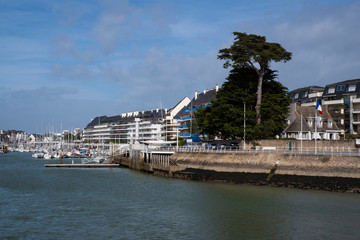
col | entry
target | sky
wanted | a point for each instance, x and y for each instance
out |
(62, 63)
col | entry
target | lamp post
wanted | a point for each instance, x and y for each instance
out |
(177, 139)
(244, 125)
(301, 134)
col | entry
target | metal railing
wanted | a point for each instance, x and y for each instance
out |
(325, 151)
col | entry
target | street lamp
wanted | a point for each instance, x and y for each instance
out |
(244, 125)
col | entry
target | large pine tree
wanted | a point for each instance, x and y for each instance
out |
(253, 51)
(225, 117)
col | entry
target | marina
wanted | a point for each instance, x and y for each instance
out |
(118, 203)
(179, 120)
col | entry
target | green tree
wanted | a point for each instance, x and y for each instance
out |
(252, 51)
(225, 116)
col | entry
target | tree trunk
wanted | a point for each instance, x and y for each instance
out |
(258, 96)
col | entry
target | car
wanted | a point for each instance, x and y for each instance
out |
(231, 145)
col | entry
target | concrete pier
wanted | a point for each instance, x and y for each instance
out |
(82, 165)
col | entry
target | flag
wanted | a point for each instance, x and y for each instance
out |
(318, 107)
(318, 121)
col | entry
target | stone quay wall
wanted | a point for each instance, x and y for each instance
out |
(331, 173)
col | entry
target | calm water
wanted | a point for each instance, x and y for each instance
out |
(44, 203)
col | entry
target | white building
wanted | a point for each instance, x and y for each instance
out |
(127, 127)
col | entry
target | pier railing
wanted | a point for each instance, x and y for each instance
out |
(337, 151)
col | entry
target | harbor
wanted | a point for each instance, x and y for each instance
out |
(120, 203)
(180, 120)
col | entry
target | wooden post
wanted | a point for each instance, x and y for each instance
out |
(60, 156)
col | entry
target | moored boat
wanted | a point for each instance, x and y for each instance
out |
(38, 155)
(97, 159)
(48, 156)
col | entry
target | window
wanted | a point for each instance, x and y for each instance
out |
(340, 88)
(318, 122)
(352, 88)
(330, 124)
(305, 94)
(296, 95)
(331, 90)
(309, 122)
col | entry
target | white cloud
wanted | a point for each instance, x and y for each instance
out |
(78, 72)
(121, 21)
(323, 40)
(165, 78)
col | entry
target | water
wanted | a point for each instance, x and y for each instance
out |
(47, 203)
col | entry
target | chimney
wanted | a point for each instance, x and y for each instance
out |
(217, 88)
(196, 93)
(165, 110)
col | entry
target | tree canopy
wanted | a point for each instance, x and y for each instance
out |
(225, 116)
(252, 51)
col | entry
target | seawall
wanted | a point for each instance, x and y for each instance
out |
(331, 173)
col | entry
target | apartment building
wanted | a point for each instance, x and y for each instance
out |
(152, 125)
(172, 124)
(306, 96)
(341, 100)
(127, 127)
(186, 117)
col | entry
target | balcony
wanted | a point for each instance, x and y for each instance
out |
(310, 104)
(356, 110)
(334, 102)
(102, 130)
(101, 126)
(316, 94)
(101, 134)
(356, 100)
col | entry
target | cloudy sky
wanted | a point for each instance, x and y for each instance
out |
(63, 63)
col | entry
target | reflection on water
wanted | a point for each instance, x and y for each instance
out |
(44, 203)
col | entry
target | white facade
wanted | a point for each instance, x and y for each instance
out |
(124, 132)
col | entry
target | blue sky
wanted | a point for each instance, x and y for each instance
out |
(63, 63)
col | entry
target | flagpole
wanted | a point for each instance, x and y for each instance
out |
(315, 129)
(301, 135)
(244, 125)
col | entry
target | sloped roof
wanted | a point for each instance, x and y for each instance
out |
(153, 116)
(202, 100)
(352, 81)
(305, 113)
(311, 88)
